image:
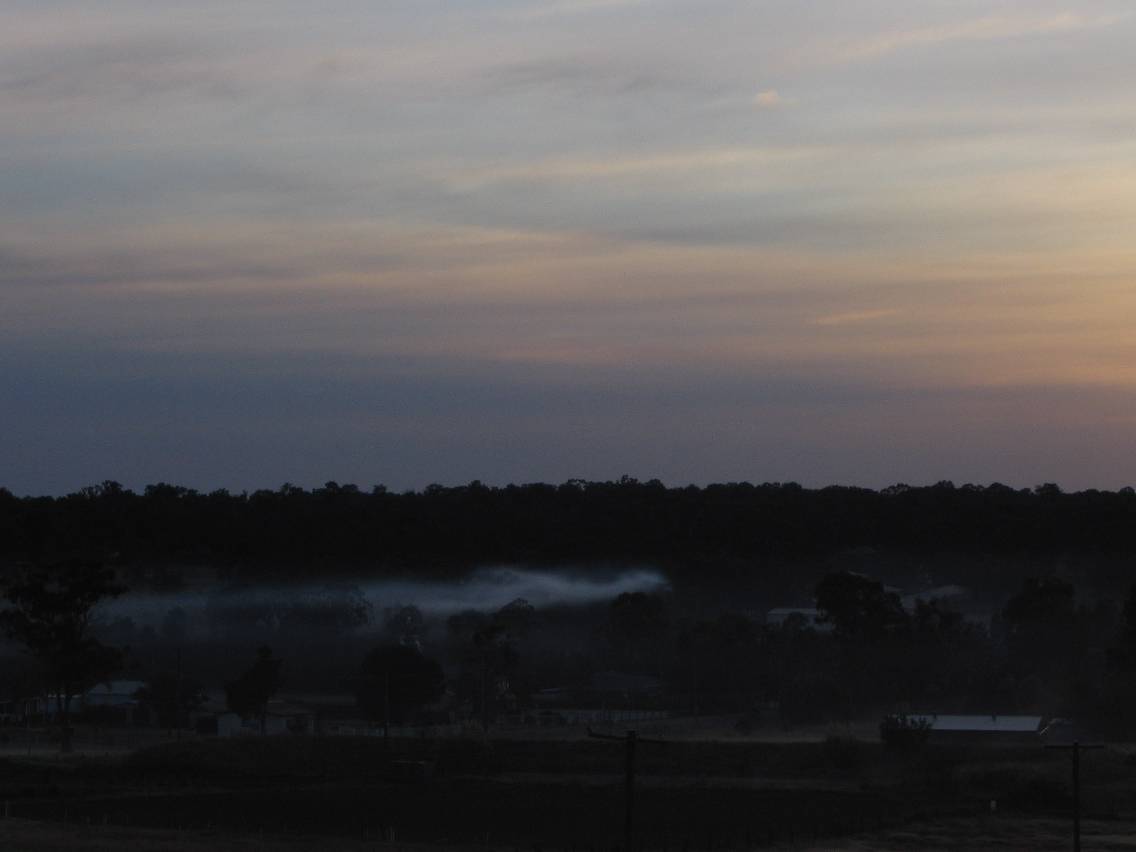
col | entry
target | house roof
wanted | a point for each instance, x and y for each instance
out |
(984, 724)
(117, 687)
(288, 709)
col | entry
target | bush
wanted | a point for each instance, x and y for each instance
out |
(904, 733)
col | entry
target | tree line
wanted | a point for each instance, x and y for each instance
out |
(444, 529)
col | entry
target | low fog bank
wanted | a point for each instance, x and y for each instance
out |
(489, 589)
(483, 590)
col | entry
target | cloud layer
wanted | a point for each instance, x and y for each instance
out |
(413, 242)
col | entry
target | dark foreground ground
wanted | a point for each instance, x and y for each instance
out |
(962, 835)
(514, 795)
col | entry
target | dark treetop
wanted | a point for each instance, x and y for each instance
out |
(441, 529)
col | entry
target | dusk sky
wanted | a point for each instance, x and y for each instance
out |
(828, 241)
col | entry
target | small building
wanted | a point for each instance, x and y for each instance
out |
(287, 717)
(229, 725)
(114, 694)
(219, 724)
(993, 729)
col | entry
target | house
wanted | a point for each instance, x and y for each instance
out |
(993, 729)
(223, 725)
(115, 694)
(286, 717)
(114, 700)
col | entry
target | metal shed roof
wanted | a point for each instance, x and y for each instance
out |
(984, 724)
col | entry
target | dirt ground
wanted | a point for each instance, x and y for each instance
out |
(29, 836)
(993, 835)
(696, 794)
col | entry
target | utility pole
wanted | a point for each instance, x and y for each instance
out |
(1076, 747)
(630, 740)
(484, 691)
(177, 697)
(386, 708)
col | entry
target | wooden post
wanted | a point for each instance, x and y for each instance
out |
(1076, 748)
(484, 690)
(629, 785)
(177, 697)
(386, 707)
(1076, 797)
(630, 740)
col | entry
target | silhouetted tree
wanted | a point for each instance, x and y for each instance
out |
(1128, 619)
(1042, 603)
(175, 625)
(900, 732)
(859, 607)
(714, 663)
(702, 533)
(1039, 622)
(395, 681)
(637, 625)
(404, 626)
(248, 695)
(515, 618)
(50, 614)
(485, 648)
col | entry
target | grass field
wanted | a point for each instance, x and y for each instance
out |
(549, 795)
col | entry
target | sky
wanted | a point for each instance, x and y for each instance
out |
(822, 241)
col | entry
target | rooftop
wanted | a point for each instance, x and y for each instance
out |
(987, 724)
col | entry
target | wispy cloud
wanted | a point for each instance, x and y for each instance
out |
(586, 74)
(600, 168)
(992, 28)
(118, 69)
(769, 99)
(769, 208)
(856, 317)
(535, 11)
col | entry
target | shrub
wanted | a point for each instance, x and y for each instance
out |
(904, 733)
